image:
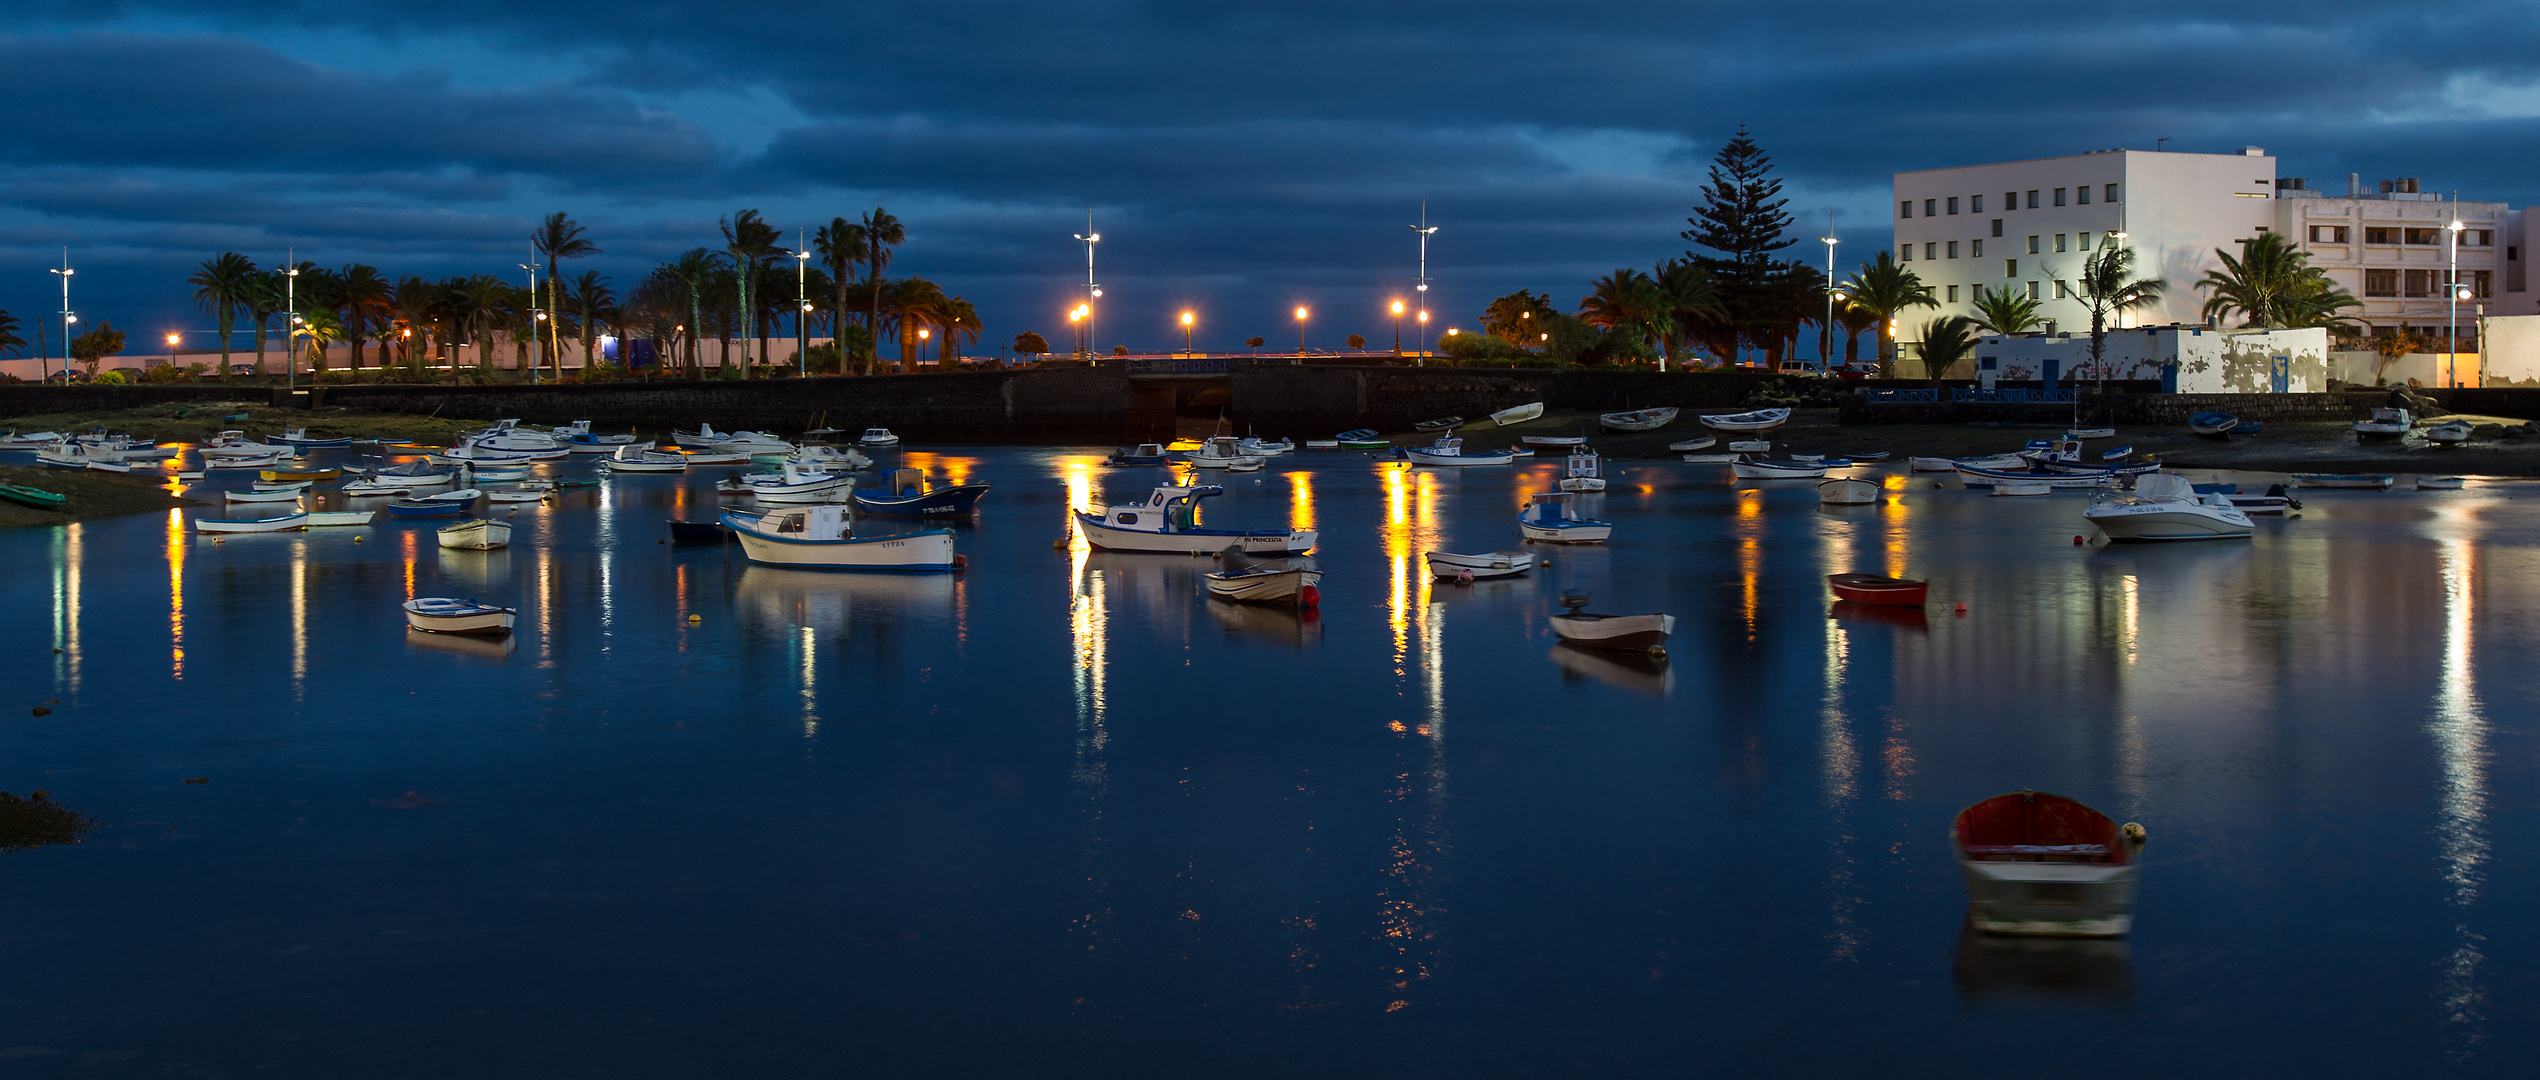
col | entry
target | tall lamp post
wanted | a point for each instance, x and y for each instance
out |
(1825, 330)
(67, 319)
(1424, 336)
(1186, 335)
(1420, 284)
(1092, 291)
(1300, 333)
(1397, 329)
(802, 305)
(537, 315)
(2452, 297)
(291, 330)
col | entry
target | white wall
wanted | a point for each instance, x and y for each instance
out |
(2209, 361)
(2513, 348)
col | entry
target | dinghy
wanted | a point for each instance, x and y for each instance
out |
(285, 523)
(2343, 480)
(909, 496)
(820, 538)
(475, 534)
(1517, 415)
(2091, 433)
(233, 444)
(298, 438)
(1496, 564)
(1288, 583)
(445, 615)
(1443, 423)
(1548, 517)
(289, 494)
(2384, 424)
(1623, 633)
(28, 496)
(696, 532)
(1637, 419)
(2439, 483)
(1972, 476)
(628, 459)
(1449, 451)
(2448, 433)
(425, 508)
(368, 487)
(1167, 522)
(1554, 440)
(522, 494)
(1703, 443)
(1583, 471)
(337, 518)
(1751, 446)
(1777, 470)
(2212, 425)
(299, 472)
(1848, 493)
(1760, 420)
(1879, 589)
(2039, 863)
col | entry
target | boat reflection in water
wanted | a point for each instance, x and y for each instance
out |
(1996, 968)
(482, 648)
(1637, 672)
(1274, 625)
(774, 597)
(1853, 611)
(486, 571)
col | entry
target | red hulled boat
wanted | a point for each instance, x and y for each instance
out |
(2039, 863)
(1873, 589)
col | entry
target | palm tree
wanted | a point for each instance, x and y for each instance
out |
(1628, 301)
(9, 339)
(559, 238)
(1883, 289)
(910, 304)
(693, 270)
(1694, 301)
(362, 295)
(882, 232)
(221, 286)
(591, 294)
(321, 328)
(748, 242)
(2005, 311)
(2106, 287)
(960, 319)
(841, 245)
(2273, 285)
(1946, 340)
(416, 303)
(262, 299)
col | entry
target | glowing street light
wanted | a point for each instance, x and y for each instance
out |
(173, 339)
(2453, 295)
(67, 317)
(1300, 331)
(802, 298)
(1825, 330)
(1397, 328)
(1424, 335)
(1092, 290)
(1186, 334)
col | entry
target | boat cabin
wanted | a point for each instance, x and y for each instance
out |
(1167, 509)
(1549, 507)
(879, 433)
(829, 522)
(908, 482)
(1583, 462)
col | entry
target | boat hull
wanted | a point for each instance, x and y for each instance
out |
(2318, 480)
(1847, 493)
(616, 466)
(1573, 532)
(481, 623)
(1518, 415)
(2168, 521)
(479, 535)
(1582, 483)
(907, 553)
(1873, 589)
(1497, 564)
(1285, 588)
(1424, 457)
(1192, 542)
(1759, 421)
(941, 502)
(337, 518)
(1621, 633)
(1761, 470)
(425, 508)
(285, 523)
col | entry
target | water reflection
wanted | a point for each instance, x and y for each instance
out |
(69, 556)
(2090, 973)
(1276, 625)
(2460, 736)
(1635, 672)
(481, 648)
(176, 548)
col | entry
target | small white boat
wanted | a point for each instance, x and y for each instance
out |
(1749, 469)
(367, 487)
(2165, 507)
(1449, 451)
(2384, 424)
(1258, 447)
(2021, 488)
(2448, 433)
(338, 518)
(1759, 420)
(1246, 464)
(1847, 493)
(2440, 483)
(828, 459)
(1549, 518)
(1518, 415)
(35, 441)
(280, 485)
(1931, 464)
(291, 494)
(578, 438)
(2036, 863)
(1583, 471)
(1287, 583)
(521, 494)
(628, 459)
(1637, 419)
(792, 483)
(1496, 564)
(822, 538)
(497, 472)
(2091, 433)
(1971, 476)
(444, 615)
(1625, 633)
(476, 534)
(1166, 523)
(878, 437)
(1703, 443)
(285, 523)
(1553, 440)
(1712, 459)
(109, 466)
(462, 495)
(1220, 452)
(233, 444)
(2344, 480)
(1751, 446)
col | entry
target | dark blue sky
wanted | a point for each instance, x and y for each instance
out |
(1239, 161)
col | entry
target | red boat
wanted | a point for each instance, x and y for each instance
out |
(1873, 589)
(2038, 863)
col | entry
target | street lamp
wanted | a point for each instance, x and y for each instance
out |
(67, 319)
(2452, 297)
(532, 267)
(1092, 291)
(802, 300)
(1186, 335)
(1825, 330)
(1424, 335)
(1300, 332)
(291, 302)
(1397, 328)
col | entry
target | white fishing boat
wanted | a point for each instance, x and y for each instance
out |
(1703, 443)
(1750, 469)
(1847, 493)
(1449, 451)
(280, 485)
(1261, 448)
(1219, 452)
(1760, 420)
(74, 455)
(822, 538)
(535, 491)
(462, 496)
(2041, 864)
(475, 534)
(2020, 488)
(1638, 419)
(792, 484)
(338, 518)
(1553, 440)
(1168, 522)
(878, 437)
(1751, 446)
(1624, 633)
(233, 444)
(2440, 483)
(2165, 507)
(283, 496)
(1292, 582)
(1583, 471)
(1518, 415)
(628, 459)
(1712, 459)
(34, 441)
(2385, 424)
(445, 615)
(1549, 517)
(1496, 564)
(2448, 433)
(284, 523)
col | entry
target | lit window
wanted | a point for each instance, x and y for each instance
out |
(2059, 196)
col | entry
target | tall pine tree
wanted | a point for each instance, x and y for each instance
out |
(1742, 218)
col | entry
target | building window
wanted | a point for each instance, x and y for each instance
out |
(2425, 237)
(2063, 289)
(2112, 194)
(2482, 284)
(1976, 252)
(2010, 268)
(1905, 209)
(1953, 249)
(1953, 294)
(2328, 234)
(2010, 200)
(2032, 290)
(1997, 226)
(1905, 253)
(1953, 204)
(2478, 238)
(2032, 198)
(1975, 204)
(2060, 239)
(1931, 250)
(2378, 234)
(2032, 245)
(2420, 283)
(2085, 242)
(2381, 283)
(1931, 208)
(2084, 192)
(2059, 196)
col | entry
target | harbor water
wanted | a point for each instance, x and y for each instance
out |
(1061, 815)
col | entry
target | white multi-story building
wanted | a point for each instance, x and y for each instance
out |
(2394, 249)
(2027, 226)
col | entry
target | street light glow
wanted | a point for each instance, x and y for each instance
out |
(1186, 318)
(1300, 314)
(172, 339)
(1397, 307)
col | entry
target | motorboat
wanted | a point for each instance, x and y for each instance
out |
(1168, 521)
(2165, 507)
(283, 523)
(232, 444)
(909, 496)
(1292, 582)
(110, 466)
(1637, 419)
(298, 438)
(1750, 469)
(2344, 480)
(2274, 502)
(1583, 471)
(475, 534)
(878, 437)
(1848, 493)
(2440, 483)
(1257, 447)
(791, 483)
(1449, 451)
(509, 436)
(1758, 421)
(1246, 463)
(1972, 476)
(2385, 424)
(629, 459)
(578, 438)
(283, 495)
(36, 441)
(1145, 454)
(1443, 423)
(1550, 518)
(2212, 425)
(461, 497)
(337, 518)
(418, 473)
(1518, 414)
(74, 455)
(445, 615)
(1879, 589)
(1221, 451)
(2011, 489)
(822, 538)
(1703, 443)
(1496, 564)
(2448, 433)
(2043, 864)
(1553, 440)
(1623, 633)
(477, 453)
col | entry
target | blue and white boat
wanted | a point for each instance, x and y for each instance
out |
(1147, 453)
(822, 538)
(1549, 518)
(1449, 451)
(1168, 522)
(1972, 476)
(908, 496)
(578, 438)
(299, 438)
(2117, 453)
(791, 485)
(2212, 425)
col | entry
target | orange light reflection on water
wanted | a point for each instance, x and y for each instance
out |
(176, 593)
(1750, 554)
(1300, 501)
(955, 469)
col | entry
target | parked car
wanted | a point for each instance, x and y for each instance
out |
(242, 369)
(1801, 367)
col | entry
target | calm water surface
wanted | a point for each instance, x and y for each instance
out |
(1062, 816)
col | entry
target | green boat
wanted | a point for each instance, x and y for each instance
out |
(35, 497)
